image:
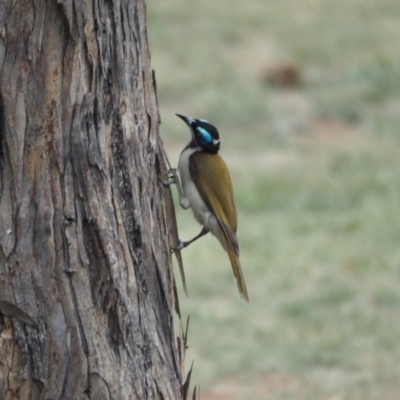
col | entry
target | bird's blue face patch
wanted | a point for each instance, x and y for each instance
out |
(205, 136)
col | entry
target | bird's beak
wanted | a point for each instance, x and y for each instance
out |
(188, 120)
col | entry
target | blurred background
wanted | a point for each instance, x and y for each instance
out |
(306, 96)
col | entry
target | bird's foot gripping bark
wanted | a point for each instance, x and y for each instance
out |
(172, 178)
(181, 245)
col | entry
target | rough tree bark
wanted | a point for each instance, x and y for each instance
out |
(83, 248)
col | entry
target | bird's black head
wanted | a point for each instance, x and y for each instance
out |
(204, 134)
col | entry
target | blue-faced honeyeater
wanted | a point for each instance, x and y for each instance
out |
(207, 190)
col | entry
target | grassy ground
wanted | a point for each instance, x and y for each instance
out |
(317, 180)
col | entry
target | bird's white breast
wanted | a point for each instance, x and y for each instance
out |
(196, 203)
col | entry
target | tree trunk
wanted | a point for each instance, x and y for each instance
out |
(83, 248)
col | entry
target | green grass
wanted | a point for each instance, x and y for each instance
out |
(317, 180)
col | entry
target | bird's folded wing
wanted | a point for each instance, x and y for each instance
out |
(211, 177)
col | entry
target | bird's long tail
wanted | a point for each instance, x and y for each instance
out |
(237, 270)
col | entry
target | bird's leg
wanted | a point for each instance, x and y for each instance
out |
(181, 244)
(174, 179)
(184, 202)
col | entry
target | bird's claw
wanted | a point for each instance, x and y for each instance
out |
(168, 182)
(172, 172)
(172, 177)
(179, 247)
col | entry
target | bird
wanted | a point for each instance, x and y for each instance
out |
(205, 186)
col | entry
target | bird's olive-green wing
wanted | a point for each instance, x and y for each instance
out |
(207, 172)
(211, 177)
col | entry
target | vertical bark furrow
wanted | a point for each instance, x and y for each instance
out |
(2, 130)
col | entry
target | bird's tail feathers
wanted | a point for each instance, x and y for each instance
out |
(237, 270)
